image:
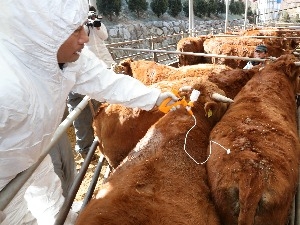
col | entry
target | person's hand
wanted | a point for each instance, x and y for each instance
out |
(165, 95)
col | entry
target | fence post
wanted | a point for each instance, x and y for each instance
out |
(155, 59)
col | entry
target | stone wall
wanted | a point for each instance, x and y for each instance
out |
(128, 32)
(158, 35)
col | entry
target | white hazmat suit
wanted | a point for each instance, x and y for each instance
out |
(33, 94)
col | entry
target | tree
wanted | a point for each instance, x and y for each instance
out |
(211, 7)
(232, 7)
(175, 7)
(204, 7)
(250, 15)
(221, 6)
(185, 8)
(137, 6)
(200, 8)
(159, 7)
(240, 6)
(109, 8)
(237, 7)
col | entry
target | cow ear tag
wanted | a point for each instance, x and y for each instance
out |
(209, 113)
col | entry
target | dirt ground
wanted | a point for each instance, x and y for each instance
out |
(89, 174)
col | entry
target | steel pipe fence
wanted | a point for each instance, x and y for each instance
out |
(12, 188)
(63, 213)
(136, 49)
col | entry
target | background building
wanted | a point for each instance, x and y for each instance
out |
(269, 11)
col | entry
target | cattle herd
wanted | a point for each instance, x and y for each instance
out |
(155, 181)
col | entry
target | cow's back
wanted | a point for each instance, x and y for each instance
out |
(158, 183)
(256, 182)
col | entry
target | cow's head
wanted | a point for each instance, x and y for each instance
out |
(124, 67)
(286, 64)
(212, 99)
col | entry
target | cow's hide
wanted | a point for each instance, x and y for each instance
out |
(158, 183)
(255, 184)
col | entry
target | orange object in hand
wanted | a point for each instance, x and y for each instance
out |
(165, 108)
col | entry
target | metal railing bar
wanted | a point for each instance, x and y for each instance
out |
(258, 37)
(63, 213)
(196, 54)
(93, 182)
(12, 188)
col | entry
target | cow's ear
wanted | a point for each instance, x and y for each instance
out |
(292, 71)
(210, 108)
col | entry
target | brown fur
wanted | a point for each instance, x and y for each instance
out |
(232, 81)
(199, 70)
(113, 124)
(229, 80)
(124, 67)
(119, 128)
(158, 183)
(241, 47)
(150, 72)
(287, 44)
(255, 184)
(190, 44)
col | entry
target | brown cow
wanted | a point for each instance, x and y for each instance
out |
(113, 124)
(119, 128)
(241, 47)
(150, 72)
(190, 44)
(232, 81)
(286, 43)
(158, 183)
(228, 79)
(255, 183)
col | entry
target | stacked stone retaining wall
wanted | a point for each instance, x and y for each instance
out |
(160, 35)
(127, 32)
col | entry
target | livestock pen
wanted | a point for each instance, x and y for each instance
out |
(163, 55)
(291, 219)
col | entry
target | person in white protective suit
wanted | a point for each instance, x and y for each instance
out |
(35, 36)
(97, 36)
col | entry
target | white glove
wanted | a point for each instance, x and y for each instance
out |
(164, 96)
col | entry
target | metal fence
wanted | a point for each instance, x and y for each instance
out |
(167, 43)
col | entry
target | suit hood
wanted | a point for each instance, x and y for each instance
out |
(37, 32)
